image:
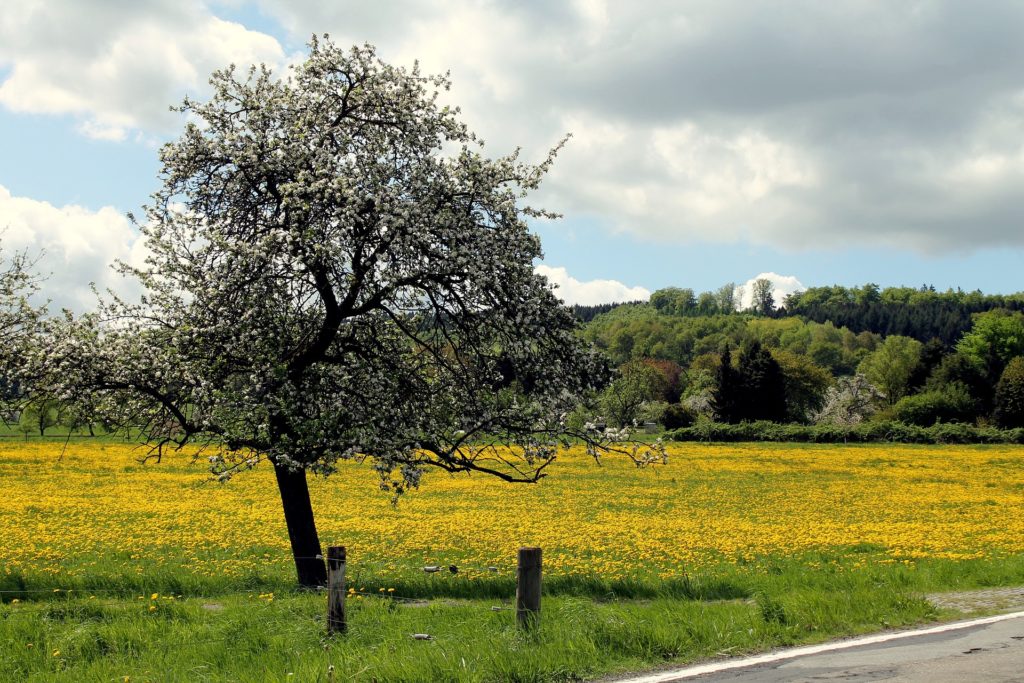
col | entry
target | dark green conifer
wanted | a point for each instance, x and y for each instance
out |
(726, 396)
(1009, 400)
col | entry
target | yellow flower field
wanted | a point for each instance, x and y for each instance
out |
(96, 510)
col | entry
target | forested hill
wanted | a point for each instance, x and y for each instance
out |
(830, 354)
(919, 313)
(588, 313)
(678, 324)
(639, 331)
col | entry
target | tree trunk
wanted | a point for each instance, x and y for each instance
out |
(298, 515)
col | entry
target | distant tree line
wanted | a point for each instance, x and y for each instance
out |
(679, 367)
(921, 313)
(685, 302)
(586, 313)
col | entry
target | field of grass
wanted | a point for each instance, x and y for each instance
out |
(110, 568)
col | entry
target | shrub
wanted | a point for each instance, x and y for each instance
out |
(867, 432)
(651, 411)
(950, 404)
(676, 416)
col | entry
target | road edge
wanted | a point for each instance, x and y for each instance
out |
(802, 651)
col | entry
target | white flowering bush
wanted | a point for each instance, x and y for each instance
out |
(336, 272)
(19, 324)
(849, 402)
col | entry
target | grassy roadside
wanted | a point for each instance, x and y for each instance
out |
(255, 636)
(236, 638)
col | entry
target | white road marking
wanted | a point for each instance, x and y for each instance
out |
(714, 667)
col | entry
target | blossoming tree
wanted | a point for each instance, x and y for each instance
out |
(336, 272)
(18, 323)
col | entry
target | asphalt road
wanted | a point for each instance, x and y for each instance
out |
(987, 652)
(994, 652)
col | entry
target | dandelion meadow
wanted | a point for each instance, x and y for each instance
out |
(112, 568)
(91, 513)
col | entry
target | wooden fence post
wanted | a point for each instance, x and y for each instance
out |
(528, 588)
(336, 589)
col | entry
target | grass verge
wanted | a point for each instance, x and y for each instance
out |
(588, 629)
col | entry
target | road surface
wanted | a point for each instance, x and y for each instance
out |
(988, 651)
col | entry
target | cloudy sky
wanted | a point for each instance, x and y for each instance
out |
(820, 142)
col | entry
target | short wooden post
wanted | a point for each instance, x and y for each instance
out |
(528, 588)
(336, 589)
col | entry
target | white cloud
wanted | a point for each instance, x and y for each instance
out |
(817, 125)
(592, 292)
(118, 66)
(680, 182)
(782, 286)
(75, 246)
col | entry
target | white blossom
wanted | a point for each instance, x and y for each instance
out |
(323, 283)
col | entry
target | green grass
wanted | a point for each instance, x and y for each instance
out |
(588, 628)
(237, 638)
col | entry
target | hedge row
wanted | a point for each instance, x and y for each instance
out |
(868, 432)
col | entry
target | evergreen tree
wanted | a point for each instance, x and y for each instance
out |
(931, 355)
(1009, 410)
(762, 386)
(726, 396)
